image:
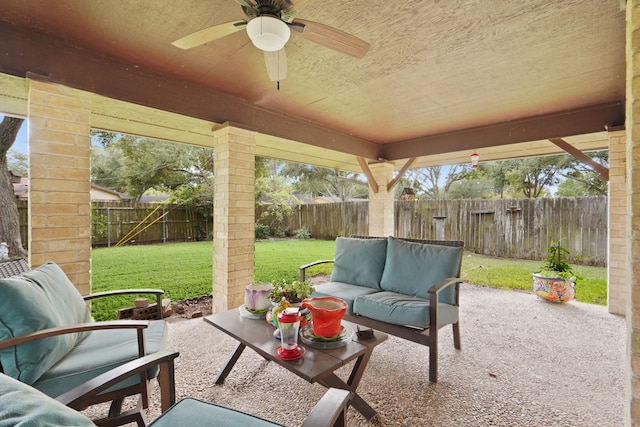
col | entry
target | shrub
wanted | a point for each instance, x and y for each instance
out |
(302, 233)
(262, 231)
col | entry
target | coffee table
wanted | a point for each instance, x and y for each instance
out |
(316, 365)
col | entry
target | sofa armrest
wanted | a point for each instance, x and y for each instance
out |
(439, 287)
(330, 411)
(139, 325)
(76, 397)
(157, 292)
(303, 268)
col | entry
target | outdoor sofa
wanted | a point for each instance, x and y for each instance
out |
(405, 287)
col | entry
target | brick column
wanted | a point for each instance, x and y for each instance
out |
(381, 206)
(60, 181)
(233, 216)
(632, 125)
(617, 213)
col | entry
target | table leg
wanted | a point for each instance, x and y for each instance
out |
(357, 402)
(230, 363)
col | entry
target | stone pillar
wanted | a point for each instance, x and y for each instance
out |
(60, 180)
(617, 213)
(233, 216)
(632, 125)
(381, 205)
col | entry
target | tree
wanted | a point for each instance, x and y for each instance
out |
(280, 204)
(534, 175)
(9, 218)
(18, 162)
(133, 165)
(317, 181)
(432, 183)
(582, 180)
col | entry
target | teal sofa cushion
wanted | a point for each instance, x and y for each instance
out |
(193, 412)
(400, 309)
(359, 261)
(38, 299)
(413, 268)
(99, 352)
(344, 291)
(24, 406)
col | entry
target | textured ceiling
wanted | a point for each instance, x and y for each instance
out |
(439, 77)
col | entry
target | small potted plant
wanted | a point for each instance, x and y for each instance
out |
(294, 292)
(284, 295)
(555, 281)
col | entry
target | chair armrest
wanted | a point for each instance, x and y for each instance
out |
(140, 325)
(331, 410)
(303, 268)
(157, 292)
(76, 397)
(439, 287)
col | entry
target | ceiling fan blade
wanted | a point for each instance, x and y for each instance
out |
(276, 63)
(333, 38)
(209, 34)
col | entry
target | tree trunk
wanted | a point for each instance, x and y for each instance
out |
(9, 219)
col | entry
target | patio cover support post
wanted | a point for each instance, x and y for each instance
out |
(233, 215)
(381, 206)
(617, 280)
(632, 125)
(59, 139)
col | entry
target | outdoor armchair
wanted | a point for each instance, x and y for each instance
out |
(23, 405)
(48, 340)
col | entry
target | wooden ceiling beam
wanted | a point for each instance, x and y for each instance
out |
(603, 171)
(23, 52)
(596, 118)
(367, 172)
(401, 173)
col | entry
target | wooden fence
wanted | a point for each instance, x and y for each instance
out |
(145, 223)
(509, 228)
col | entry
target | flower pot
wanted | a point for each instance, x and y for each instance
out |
(553, 289)
(256, 296)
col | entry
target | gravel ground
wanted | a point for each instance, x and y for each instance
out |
(524, 362)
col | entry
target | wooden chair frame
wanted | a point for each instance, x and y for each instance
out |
(427, 336)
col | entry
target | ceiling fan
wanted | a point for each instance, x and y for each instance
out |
(269, 24)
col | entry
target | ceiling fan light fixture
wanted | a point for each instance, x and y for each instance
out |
(268, 33)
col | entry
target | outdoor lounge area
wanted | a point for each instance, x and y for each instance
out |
(426, 86)
(524, 362)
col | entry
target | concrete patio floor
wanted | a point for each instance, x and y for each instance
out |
(524, 362)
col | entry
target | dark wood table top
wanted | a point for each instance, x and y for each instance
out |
(315, 364)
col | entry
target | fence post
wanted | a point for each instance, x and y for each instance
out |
(108, 227)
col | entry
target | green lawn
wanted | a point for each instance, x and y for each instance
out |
(185, 270)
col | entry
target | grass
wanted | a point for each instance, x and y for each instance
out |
(185, 270)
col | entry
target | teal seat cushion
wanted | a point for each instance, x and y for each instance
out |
(413, 268)
(193, 412)
(38, 299)
(400, 309)
(359, 261)
(22, 405)
(99, 352)
(344, 291)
